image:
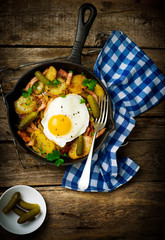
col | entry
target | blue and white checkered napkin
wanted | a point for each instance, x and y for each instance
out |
(135, 85)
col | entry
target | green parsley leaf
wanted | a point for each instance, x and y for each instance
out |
(70, 71)
(53, 156)
(82, 73)
(27, 93)
(89, 109)
(30, 91)
(55, 82)
(90, 83)
(82, 101)
(59, 161)
(92, 133)
(35, 85)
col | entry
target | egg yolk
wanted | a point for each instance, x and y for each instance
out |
(59, 125)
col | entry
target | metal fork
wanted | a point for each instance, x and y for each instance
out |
(100, 122)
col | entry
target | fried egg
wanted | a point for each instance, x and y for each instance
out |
(65, 119)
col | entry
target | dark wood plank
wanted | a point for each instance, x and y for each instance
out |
(13, 173)
(134, 211)
(14, 57)
(149, 155)
(26, 24)
(148, 128)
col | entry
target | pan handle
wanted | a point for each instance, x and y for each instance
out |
(82, 31)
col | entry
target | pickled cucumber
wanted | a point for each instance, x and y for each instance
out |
(14, 199)
(41, 77)
(27, 206)
(80, 146)
(18, 211)
(27, 120)
(94, 106)
(29, 215)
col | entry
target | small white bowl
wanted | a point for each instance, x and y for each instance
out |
(9, 221)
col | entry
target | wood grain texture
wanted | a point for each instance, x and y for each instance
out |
(152, 165)
(135, 210)
(39, 30)
(14, 57)
(53, 23)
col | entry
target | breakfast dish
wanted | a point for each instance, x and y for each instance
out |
(56, 112)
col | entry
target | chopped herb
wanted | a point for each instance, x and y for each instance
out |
(55, 155)
(89, 109)
(62, 95)
(41, 150)
(55, 82)
(90, 83)
(70, 71)
(92, 133)
(82, 73)
(35, 85)
(28, 101)
(82, 101)
(30, 91)
(27, 93)
(66, 155)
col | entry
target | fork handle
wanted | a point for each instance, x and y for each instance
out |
(83, 182)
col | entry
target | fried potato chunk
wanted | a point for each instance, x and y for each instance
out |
(76, 84)
(54, 91)
(51, 73)
(25, 105)
(41, 143)
(99, 90)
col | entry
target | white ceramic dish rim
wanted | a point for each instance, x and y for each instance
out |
(9, 221)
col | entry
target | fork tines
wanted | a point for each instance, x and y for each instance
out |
(103, 105)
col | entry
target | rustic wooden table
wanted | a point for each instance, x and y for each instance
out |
(39, 30)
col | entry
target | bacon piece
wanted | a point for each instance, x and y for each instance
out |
(65, 150)
(43, 104)
(63, 73)
(100, 132)
(24, 135)
(33, 126)
(31, 142)
(69, 78)
(87, 131)
(30, 84)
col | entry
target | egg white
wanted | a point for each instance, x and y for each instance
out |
(72, 108)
